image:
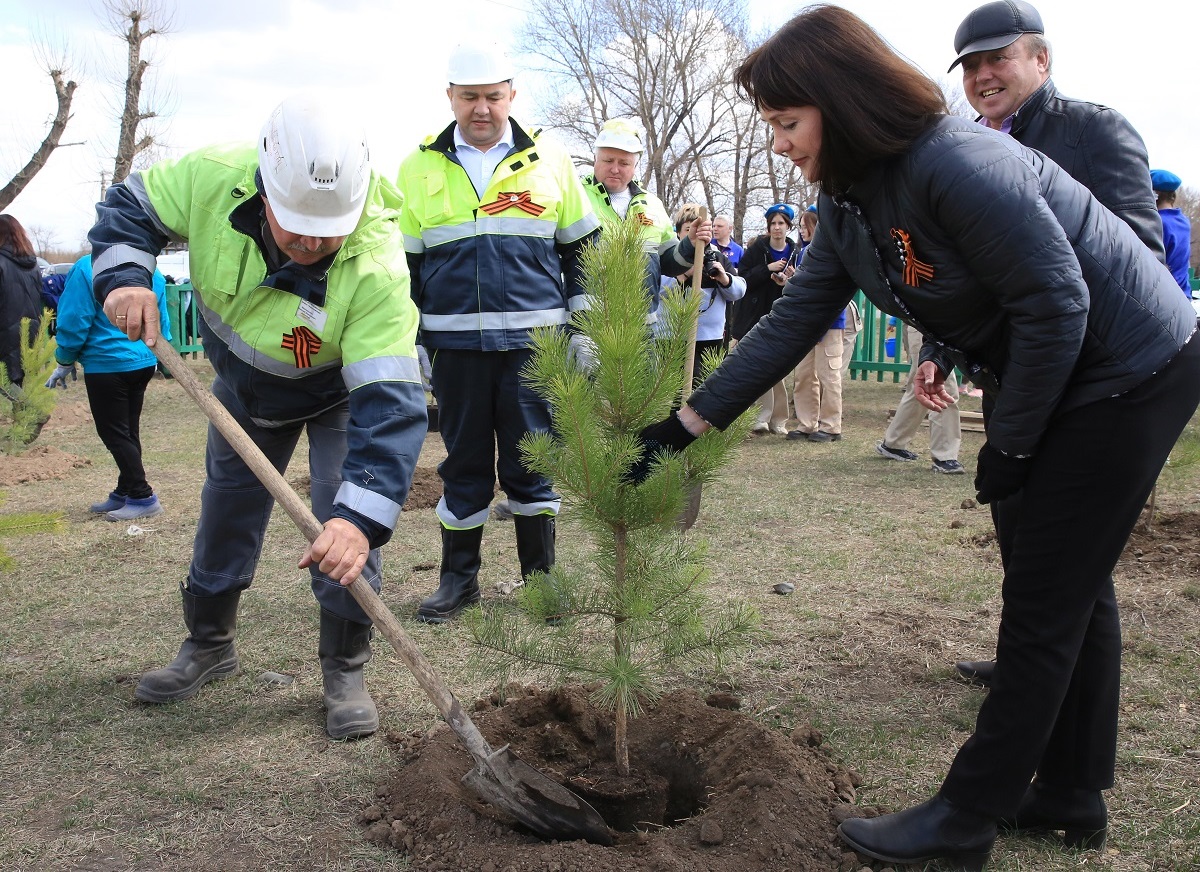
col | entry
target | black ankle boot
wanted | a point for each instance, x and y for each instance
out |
(535, 543)
(978, 671)
(206, 654)
(1080, 814)
(459, 585)
(933, 830)
(344, 650)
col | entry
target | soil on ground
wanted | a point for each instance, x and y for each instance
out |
(738, 796)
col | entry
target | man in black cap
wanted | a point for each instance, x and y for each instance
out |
(1005, 60)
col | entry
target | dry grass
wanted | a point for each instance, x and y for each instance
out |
(891, 588)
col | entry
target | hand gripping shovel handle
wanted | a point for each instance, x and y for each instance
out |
(499, 776)
(431, 682)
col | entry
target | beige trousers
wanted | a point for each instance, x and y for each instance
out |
(945, 430)
(817, 394)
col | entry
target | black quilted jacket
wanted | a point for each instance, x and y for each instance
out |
(1018, 275)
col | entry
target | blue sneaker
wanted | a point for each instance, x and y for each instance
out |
(134, 510)
(115, 501)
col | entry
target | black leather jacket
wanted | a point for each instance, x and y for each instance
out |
(20, 297)
(999, 257)
(1100, 149)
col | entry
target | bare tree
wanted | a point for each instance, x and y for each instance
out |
(135, 22)
(669, 65)
(64, 91)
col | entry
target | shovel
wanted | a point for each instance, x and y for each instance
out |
(499, 777)
(692, 510)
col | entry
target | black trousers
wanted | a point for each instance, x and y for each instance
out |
(116, 402)
(1052, 709)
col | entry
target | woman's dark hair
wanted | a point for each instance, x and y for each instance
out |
(873, 102)
(12, 235)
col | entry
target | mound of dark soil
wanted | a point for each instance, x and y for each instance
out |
(737, 796)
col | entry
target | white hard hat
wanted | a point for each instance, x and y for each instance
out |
(479, 63)
(620, 133)
(315, 167)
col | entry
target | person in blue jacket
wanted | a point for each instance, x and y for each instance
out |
(116, 371)
(1177, 229)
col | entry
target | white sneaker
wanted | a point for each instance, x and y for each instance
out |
(760, 428)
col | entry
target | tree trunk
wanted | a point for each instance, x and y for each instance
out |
(63, 91)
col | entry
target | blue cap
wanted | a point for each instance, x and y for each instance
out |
(811, 208)
(782, 209)
(1165, 181)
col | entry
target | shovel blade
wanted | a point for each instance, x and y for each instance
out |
(552, 811)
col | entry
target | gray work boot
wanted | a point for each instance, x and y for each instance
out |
(206, 654)
(344, 650)
(458, 586)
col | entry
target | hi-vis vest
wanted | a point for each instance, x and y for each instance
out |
(487, 270)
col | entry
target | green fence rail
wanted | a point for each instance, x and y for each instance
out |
(879, 351)
(185, 319)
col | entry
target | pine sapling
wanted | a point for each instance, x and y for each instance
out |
(636, 604)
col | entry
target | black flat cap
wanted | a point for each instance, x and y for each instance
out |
(995, 25)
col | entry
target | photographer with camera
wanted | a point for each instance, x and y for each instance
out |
(720, 285)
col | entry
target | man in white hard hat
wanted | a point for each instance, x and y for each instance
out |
(494, 223)
(615, 194)
(297, 261)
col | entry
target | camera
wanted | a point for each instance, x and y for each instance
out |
(710, 260)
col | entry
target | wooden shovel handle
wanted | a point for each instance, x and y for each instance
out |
(697, 277)
(429, 679)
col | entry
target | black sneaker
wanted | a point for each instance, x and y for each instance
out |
(901, 454)
(797, 435)
(822, 436)
(948, 467)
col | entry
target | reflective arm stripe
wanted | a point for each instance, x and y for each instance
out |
(137, 187)
(377, 369)
(578, 230)
(119, 255)
(579, 301)
(664, 248)
(378, 508)
(413, 244)
(493, 320)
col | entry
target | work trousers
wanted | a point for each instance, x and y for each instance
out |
(1052, 708)
(116, 400)
(485, 408)
(945, 428)
(817, 392)
(235, 507)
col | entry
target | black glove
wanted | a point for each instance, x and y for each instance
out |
(667, 435)
(997, 475)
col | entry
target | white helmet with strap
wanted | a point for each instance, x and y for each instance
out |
(315, 167)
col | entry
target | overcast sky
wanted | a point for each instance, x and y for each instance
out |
(229, 62)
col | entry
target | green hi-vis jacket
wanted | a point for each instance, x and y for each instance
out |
(487, 270)
(297, 341)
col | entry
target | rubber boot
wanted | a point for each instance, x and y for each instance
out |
(459, 585)
(535, 550)
(344, 650)
(206, 654)
(535, 543)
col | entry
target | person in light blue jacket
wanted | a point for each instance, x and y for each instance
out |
(116, 371)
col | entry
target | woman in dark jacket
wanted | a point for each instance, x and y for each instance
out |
(766, 264)
(20, 294)
(1083, 346)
